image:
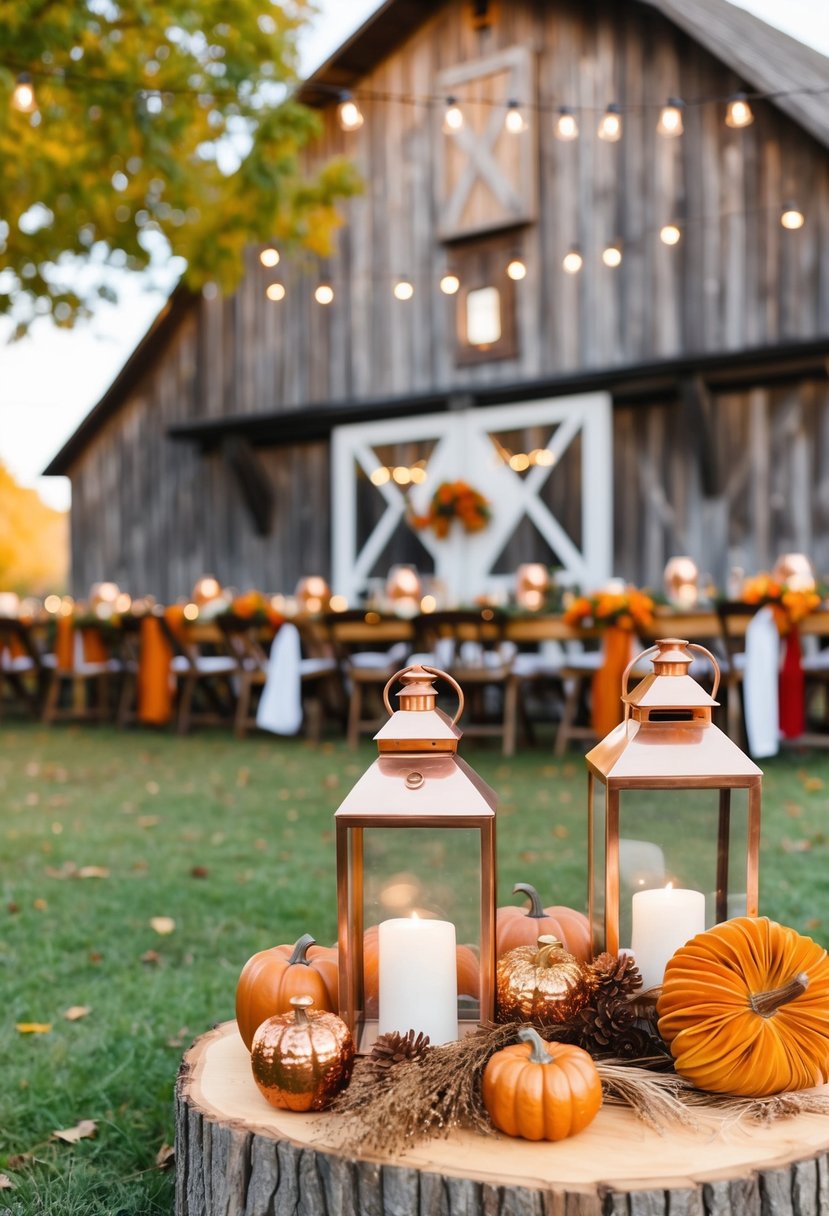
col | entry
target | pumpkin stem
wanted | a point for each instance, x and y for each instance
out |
(298, 952)
(550, 951)
(539, 1053)
(767, 1003)
(300, 1005)
(536, 910)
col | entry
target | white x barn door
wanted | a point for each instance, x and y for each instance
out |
(463, 448)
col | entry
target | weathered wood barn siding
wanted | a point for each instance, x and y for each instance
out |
(155, 514)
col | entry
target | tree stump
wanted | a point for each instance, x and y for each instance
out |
(237, 1156)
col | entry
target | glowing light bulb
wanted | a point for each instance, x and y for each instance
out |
(403, 290)
(349, 113)
(670, 234)
(610, 125)
(269, 257)
(670, 120)
(517, 270)
(792, 217)
(738, 112)
(23, 95)
(572, 262)
(453, 118)
(514, 120)
(566, 127)
(450, 284)
(275, 291)
(324, 293)
(612, 256)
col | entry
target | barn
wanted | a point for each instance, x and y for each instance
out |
(588, 275)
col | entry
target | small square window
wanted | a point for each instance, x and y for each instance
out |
(483, 316)
(485, 304)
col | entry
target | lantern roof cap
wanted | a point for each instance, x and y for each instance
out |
(418, 724)
(663, 754)
(669, 685)
(425, 789)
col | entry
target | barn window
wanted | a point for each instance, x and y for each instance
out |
(485, 304)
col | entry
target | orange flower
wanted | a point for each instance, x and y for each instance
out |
(630, 610)
(454, 500)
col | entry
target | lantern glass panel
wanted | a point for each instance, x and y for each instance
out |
(431, 875)
(678, 837)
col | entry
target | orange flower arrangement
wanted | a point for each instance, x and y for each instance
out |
(254, 606)
(789, 604)
(629, 609)
(454, 500)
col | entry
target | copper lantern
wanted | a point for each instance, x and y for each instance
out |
(673, 817)
(416, 878)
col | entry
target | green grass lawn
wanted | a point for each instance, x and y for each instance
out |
(102, 832)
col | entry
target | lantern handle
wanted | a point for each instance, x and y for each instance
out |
(651, 650)
(433, 671)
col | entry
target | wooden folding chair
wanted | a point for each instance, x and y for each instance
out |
(25, 673)
(81, 692)
(368, 649)
(469, 645)
(209, 675)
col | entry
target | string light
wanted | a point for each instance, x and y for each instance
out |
(324, 294)
(514, 119)
(269, 257)
(403, 289)
(453, 118)
(23, 94)
(349, 114)
(516, 270)
(612, 256)
(610, 124)
(738, 112)
(572, 261)
(670, 119)
(275, 292)
(450, 284)
(566, 127)
(792, 217)
(670, 234)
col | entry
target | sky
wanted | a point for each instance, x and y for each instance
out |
(51, 379)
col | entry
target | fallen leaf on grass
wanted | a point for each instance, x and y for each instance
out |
(813, 784)
(151, 957)
(18, 1160)
(148, 821)
(93, 872)
(165, 1157)
(40, 904)
(12, 907)
(163, 925)
(795, 846)
(199, 872)
(95, 956)
(33, 1027)
(75, 1012)
(86, 1129)
(6, 1183)
(179, 1038)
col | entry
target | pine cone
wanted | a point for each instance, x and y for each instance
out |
(608, 1026)
(395, 1048)
(615, 975)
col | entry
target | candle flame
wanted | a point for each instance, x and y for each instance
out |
(669, 886)
(415, 916)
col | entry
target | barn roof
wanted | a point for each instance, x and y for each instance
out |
(770, 62)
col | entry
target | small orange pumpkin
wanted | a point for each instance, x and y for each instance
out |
(469, 971)
(539, 1090)
(744, 1008)
(270, 978)
(516, 926)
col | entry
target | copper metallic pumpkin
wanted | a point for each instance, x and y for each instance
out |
(541, 1091)
(301, 1060)
(745, 1009)
(516, 926)
(270, 978)
(541, 983)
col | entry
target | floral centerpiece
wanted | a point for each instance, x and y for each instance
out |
(789, 601)
(454, 500)
(629, 609)
(255, 607)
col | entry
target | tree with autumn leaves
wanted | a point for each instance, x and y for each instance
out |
(34, 541)
(137, 110)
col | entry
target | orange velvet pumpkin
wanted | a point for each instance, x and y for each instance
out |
(270, 978)
(516, 926)
(744, 1008)
(469, 972)
(541, 1091)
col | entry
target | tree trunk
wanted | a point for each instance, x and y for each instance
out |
(236, 1156)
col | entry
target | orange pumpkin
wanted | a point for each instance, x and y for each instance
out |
(518, 927)
(541, 1091)
(469, 971)
(270, 978)
(744, 1008)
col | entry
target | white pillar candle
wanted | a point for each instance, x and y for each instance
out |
(418, 978)
(664, 919)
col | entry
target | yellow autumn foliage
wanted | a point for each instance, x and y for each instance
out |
(34, 541)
